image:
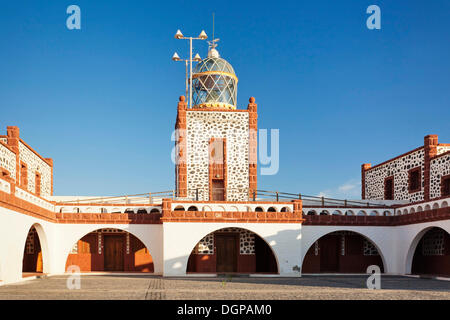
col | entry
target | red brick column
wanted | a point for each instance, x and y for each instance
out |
(166, 208)
(253, 145)
(180, 157)
(430, 148)
(298, 207)
(13, 134)
(364, 168)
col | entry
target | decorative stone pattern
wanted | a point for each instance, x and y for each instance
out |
(369, 249)
(201, 127)
(36, 164)
(8, 161)
(433, 243)
(439, 167)
(246, 242)
(374, 178)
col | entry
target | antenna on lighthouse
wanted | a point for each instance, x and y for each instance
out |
(212, 52)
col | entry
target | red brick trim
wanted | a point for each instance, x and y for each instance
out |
(440, 155)
(430, 146)
(233, 216)
(215, 110)
(379, 221)
(34, 151)
(252, 109)
(364, 168)
(397, 157)
(180, 166)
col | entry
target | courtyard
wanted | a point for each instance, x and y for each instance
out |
(146, 287)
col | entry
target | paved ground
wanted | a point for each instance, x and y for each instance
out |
(154, 287)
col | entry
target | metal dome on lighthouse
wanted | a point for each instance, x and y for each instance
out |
(214, 82)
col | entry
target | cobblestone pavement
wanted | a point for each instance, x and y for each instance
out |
(156, 288)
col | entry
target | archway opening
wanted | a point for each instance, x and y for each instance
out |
(112, 250)
(341, 252)
(232, 250)
(32, 256)
(432, 254)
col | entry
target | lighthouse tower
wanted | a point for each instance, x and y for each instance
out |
(215, 141)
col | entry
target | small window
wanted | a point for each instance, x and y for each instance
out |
(414, 183)
(389, 188)
(445, 190)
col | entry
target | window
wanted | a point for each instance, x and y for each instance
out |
(445, 186)
(414, 183)
(389, 188)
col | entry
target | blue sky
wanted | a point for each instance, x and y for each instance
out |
(101, 101)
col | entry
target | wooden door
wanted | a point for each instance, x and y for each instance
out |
(113, 253)
(329, 253)
(226, 253)
(218, 190)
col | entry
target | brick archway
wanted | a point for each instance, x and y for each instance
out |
(232, 250)
(35, 253)
(431, 252)
(342, 252)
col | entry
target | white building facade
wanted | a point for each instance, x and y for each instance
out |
(216, 221)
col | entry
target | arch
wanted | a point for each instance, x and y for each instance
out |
(349, 213)
(336, 212)
(412, 210)
(207, 208)
(259, 209)
(129, 210)
(286, 209)
(444, 204)
(116, 210)
(155, 210)
(435, 205)
(324, 213)
(416, 261)
(374, 213)
(220, 208)
(361, 213)
(271, 209)
(76, 210)
(419, 209)
(142, 210)
(427, 207)
(192, 208)
(103, 210)
(93, 252)
(234, 208)
(311, 213)
(342, 251)
(386, 213)
(35, 256)
(253, 253)
(88, 210)
(179, 208)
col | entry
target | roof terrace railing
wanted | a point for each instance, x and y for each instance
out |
(220, 194)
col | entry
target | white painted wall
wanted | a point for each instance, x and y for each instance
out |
(58, 239)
